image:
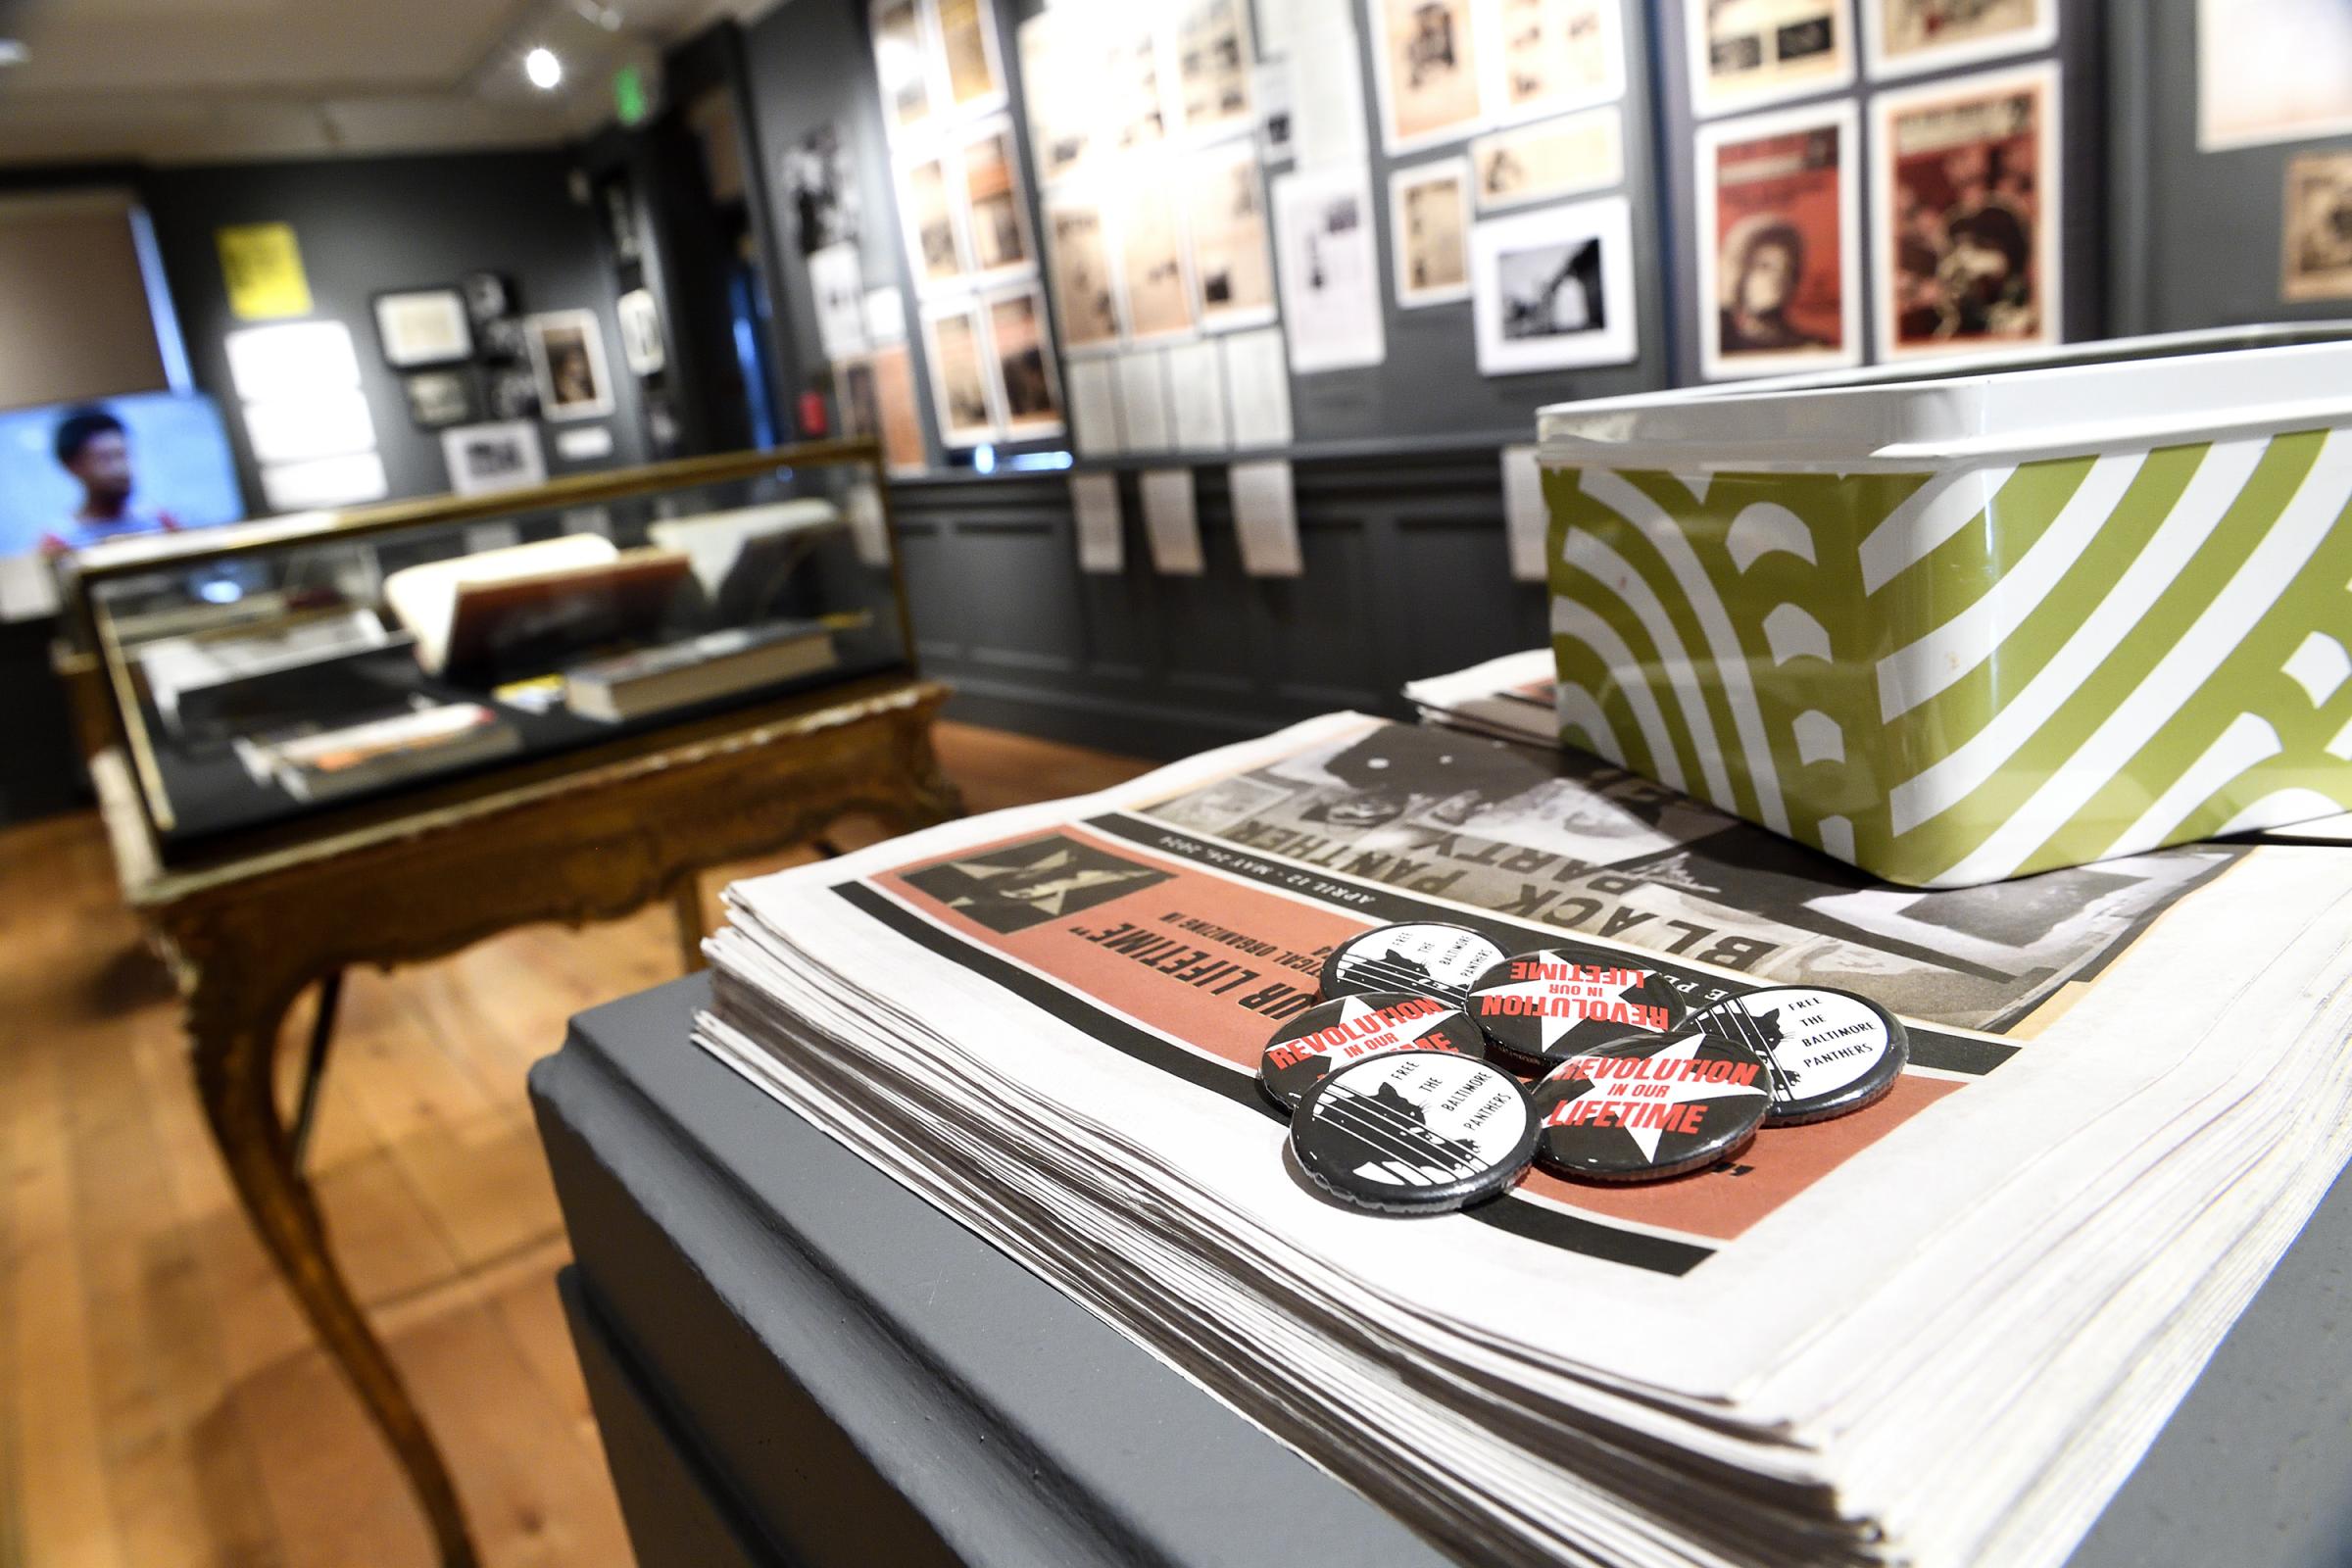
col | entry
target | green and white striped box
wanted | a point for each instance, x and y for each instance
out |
(1970, 626)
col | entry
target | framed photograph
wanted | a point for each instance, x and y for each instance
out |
(489, 297)
(1429, 231)
(957, 349)
(1330, 267)
(1080, 269)
(1021, 356)
(483, 457)
(927, 205)
(423, 326)
(567, 356)
(1153, 277)
(1903, 37)
(2316, 247)
(500, 340)
(1214, 62)
(971, 70)
(1745, 54)
(901, 37)
(1552, 289)
(995, 210)
(1964, 204)
(1426, 70)
(2271, 71)
(1225, 215)
(1779, 278)
(1548, 57)
(512, 393)
(1563, 156)
(642, 347)
(438, 399)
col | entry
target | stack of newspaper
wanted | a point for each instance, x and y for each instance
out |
(1940, 1330)
(1509, 698)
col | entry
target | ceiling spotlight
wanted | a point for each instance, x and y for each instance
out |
(543, 68)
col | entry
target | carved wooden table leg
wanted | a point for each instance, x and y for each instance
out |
(233, 1029)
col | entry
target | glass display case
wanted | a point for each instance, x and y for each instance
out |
(274, 678)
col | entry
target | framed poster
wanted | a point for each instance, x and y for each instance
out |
(1903, 37)
(1548, 57)
(903, 64)
(1553, 288)
(1021, 359)
(971, 71)
(1748, 53)
(1562, 157)
(1425, 67)
(995, 211)
(1964, 203)
(1429, 220)
(1225, 215)
(1213, 61)
(1779, 278)
(423, 326)
(928, 198)
(1080, 268)
(961, 401)
(2316, 251)
(1330, 269)
(2271, 71)
(1153, 277)
(567, 358)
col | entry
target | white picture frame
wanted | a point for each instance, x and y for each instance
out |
(946, 155)
(1521, 267)
(944, 106)
(986, 128)
(1843, 117)
(957, 435)
(1395, 141)
(420, 326)
(1493, 64)
(2261, 65)
(2041, 77)
(565, 345)
(2034, 36)
(1033, 428)
(493, 456)
(1708, 99)
(1402, 183)
(642, 345)
(1604, 126)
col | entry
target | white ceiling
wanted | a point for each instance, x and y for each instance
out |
(196, 80)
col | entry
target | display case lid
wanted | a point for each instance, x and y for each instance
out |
(2120, 394)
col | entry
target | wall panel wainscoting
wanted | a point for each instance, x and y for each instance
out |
(1406, 574)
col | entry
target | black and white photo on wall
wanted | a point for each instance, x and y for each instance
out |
(512, 392)
(438, 399)
(619, 203)
(567, 356)
(820, 187)
(423, 326)
(1552, 288)
(499, 456)
(499, 340)
(489, 296)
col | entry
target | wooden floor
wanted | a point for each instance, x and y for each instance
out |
(161, 1402)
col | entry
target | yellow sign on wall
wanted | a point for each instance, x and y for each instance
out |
(263, 266)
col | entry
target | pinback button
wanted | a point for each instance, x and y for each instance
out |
(1830, 1051)
(1332, 1034)
(1414, 1132)
(1425, 957)
(1541, 1006)
(1640, 1110)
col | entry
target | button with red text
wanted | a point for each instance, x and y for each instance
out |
(1332, 1034)
(1543, 1007)
(1644, 1109)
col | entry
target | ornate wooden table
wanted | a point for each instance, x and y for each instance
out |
(593, 836)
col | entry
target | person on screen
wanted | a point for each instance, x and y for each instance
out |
(92, 446)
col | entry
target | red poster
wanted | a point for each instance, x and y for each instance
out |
(1781, 243)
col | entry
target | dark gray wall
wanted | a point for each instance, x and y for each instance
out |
(371, 224)
(2195, 238)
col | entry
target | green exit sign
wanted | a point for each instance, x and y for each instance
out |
(629, 94)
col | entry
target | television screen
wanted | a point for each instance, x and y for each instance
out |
(73, 474)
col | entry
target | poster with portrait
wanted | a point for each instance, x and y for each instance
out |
(1747, 53)
(1902, 38)
(927, 201)
(1021, 353)
(1213, 61)
(1779, 236)
(961, 400)
(2316, 247)
(1150, 252)
(1057, 70)
(1548, 57)
(1225, 214)
(1079, 269)
(902, 64)
(969, 72)
(2271, 71)
(1330, 269)
(1528, 164)
(1425, 64)
(1429, 218)
(567, 358)
(995, 214)
(1965, 203)
(1552, 289)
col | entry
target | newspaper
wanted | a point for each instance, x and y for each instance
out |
(1048, 1021)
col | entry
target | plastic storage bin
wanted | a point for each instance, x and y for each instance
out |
(1965, 625)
